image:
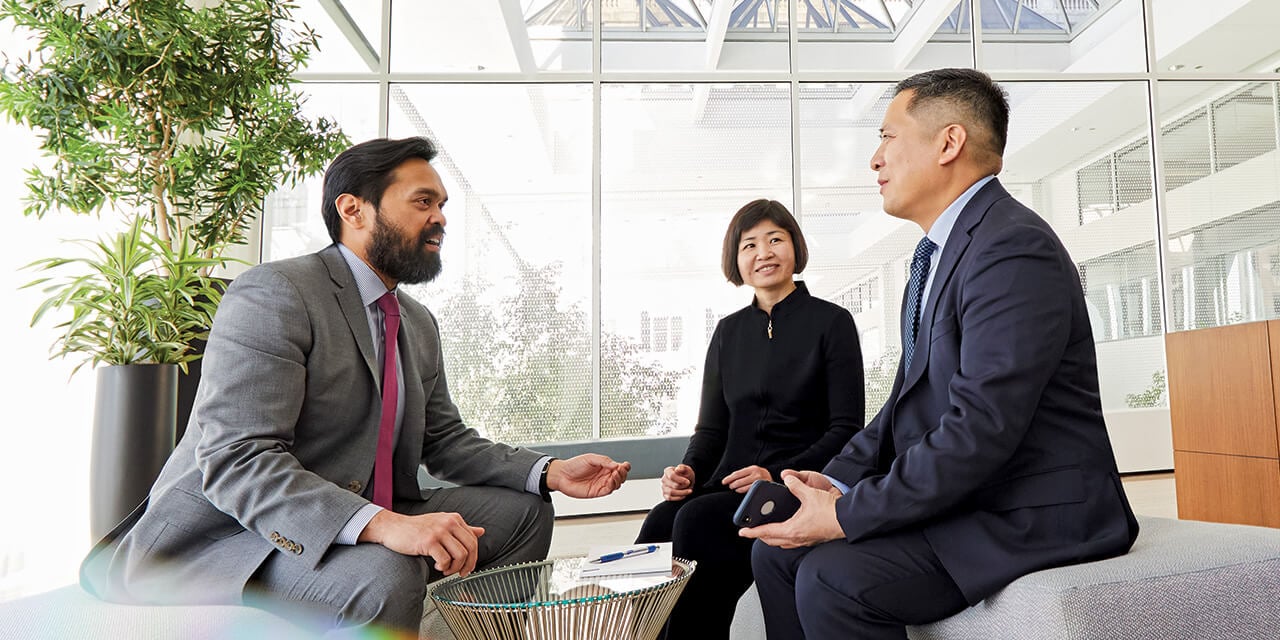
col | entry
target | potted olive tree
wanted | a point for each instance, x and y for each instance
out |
(178, 118)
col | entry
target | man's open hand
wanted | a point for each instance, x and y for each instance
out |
(589, 475)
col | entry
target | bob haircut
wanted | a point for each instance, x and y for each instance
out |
(750, 215)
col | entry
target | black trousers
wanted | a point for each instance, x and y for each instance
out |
(867, 590)
(701, 528)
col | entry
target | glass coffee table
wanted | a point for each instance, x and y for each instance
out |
(548, 600)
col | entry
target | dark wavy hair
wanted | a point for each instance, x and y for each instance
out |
(365, 171)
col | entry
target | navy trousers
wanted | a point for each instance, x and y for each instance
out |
(867, 590)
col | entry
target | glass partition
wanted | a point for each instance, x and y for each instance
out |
(1223, 218)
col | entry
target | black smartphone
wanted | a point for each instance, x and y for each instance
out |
(765, 502)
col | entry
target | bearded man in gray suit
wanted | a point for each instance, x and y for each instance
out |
(267, 498)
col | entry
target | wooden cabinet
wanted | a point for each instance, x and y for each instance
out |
(1224, 400)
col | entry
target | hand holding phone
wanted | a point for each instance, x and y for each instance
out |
(765, 502)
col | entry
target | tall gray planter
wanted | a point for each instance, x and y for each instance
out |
(133, 433)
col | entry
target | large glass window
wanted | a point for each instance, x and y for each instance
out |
(1087, 144)
(292, 224)
(604, 187)
(450, 37)
(855, 249)
(348, 32)
(514, 301)
(677, 160)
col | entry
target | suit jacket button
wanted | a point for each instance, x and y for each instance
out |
(354, 486)
(297, 549)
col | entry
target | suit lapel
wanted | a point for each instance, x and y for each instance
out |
(348, 296)
(952, 251)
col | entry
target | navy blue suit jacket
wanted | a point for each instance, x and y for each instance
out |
(993, 442)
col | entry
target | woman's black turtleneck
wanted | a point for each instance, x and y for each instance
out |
(782, 390)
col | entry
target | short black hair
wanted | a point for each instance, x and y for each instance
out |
(365, 171)
(750, 215)
(970, 92)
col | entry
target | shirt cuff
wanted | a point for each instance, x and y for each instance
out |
(844, 488)
(350, 533)
(535, 476)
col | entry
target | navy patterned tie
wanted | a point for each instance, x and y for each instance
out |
(915, 298)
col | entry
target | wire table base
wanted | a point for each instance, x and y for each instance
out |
(548, 601)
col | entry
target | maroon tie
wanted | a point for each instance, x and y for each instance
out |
(390, 397)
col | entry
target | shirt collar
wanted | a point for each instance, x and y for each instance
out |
(367, 281)
(941, 228)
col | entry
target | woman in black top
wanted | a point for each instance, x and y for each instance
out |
(781, 389)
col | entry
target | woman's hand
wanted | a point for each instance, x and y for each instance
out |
(742, 479)
(677, 482)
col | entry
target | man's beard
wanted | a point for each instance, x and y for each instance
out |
(402, 261)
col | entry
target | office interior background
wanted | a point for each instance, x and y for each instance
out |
(594, 151)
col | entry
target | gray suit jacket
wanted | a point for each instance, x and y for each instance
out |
(282, 439)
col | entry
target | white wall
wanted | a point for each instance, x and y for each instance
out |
(44, 460)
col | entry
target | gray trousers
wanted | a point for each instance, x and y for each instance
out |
(368, 585)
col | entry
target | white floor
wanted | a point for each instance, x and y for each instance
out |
(1150, 495)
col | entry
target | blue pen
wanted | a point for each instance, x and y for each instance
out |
(618, 555)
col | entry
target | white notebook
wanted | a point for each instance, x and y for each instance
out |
(638, 559)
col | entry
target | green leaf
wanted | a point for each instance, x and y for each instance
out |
(173, 116)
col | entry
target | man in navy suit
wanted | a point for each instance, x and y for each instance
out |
(990, 459)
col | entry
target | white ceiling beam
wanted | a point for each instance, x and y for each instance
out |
(347, 25)
(915, 32)
(717, 28)
(522, 48)
(918, 28)
(518, 31)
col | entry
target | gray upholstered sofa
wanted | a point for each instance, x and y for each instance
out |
(1183, 580)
